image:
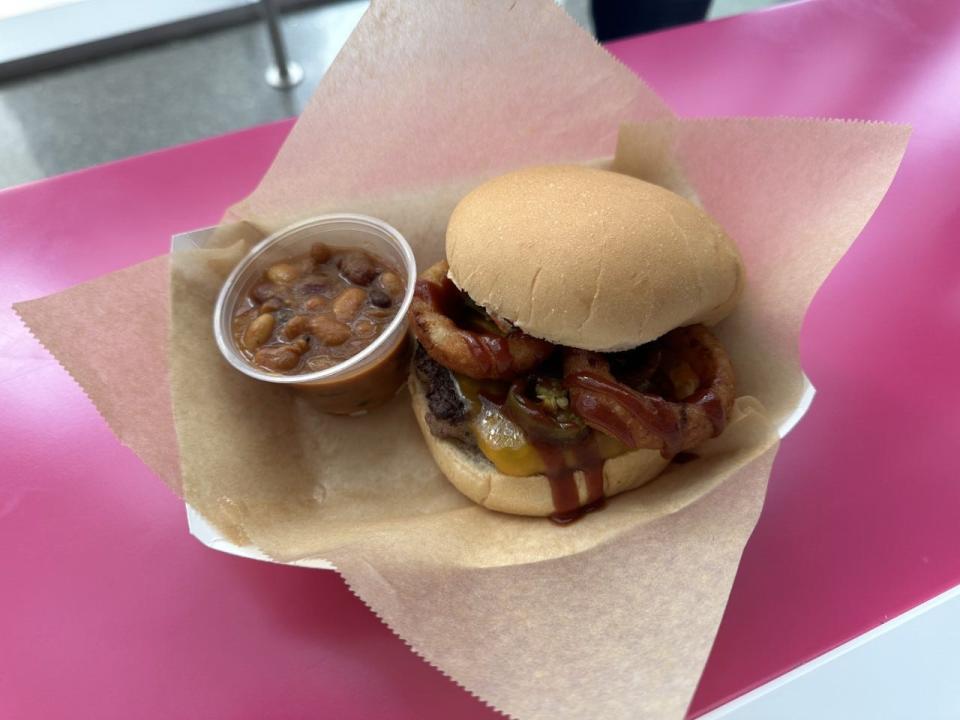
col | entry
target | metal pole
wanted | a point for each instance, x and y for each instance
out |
(283, 73)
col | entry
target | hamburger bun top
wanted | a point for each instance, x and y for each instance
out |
(590, 258)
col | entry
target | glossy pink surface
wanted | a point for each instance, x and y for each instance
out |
(108, 607)
(862, 518)
(105, 596)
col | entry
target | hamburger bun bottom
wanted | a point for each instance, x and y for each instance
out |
(476, 477)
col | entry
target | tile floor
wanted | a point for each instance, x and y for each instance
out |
(176, 92)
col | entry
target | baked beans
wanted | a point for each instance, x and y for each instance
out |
(315, 310)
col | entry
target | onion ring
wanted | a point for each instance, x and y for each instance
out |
(481, 355)
(647, 420)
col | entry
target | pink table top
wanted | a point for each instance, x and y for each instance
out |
(108, 599)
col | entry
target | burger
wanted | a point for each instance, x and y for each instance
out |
(564, 354)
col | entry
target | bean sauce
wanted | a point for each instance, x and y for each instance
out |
(315, 310)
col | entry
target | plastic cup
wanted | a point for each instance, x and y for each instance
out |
(376, 372)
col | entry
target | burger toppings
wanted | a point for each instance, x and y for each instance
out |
(460, 336)
(534, 408)
(682, 397)
(540, 406)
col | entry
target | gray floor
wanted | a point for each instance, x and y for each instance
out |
(160, 96)
(177, 92)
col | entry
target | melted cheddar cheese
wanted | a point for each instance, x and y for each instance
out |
(503, 442)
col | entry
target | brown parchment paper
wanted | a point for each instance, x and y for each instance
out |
(614, 616)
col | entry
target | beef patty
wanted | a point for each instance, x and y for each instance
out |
(448, 413)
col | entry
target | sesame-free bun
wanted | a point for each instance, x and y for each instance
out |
(590, 258)
(477, 478)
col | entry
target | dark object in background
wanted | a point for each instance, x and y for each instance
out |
(618, 18)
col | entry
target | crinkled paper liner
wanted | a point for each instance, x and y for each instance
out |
(614, 616)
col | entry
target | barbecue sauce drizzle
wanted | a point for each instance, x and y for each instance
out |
(654, 412)
(562, 461)
(563, 481)
(446, 297)
(493, 351)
